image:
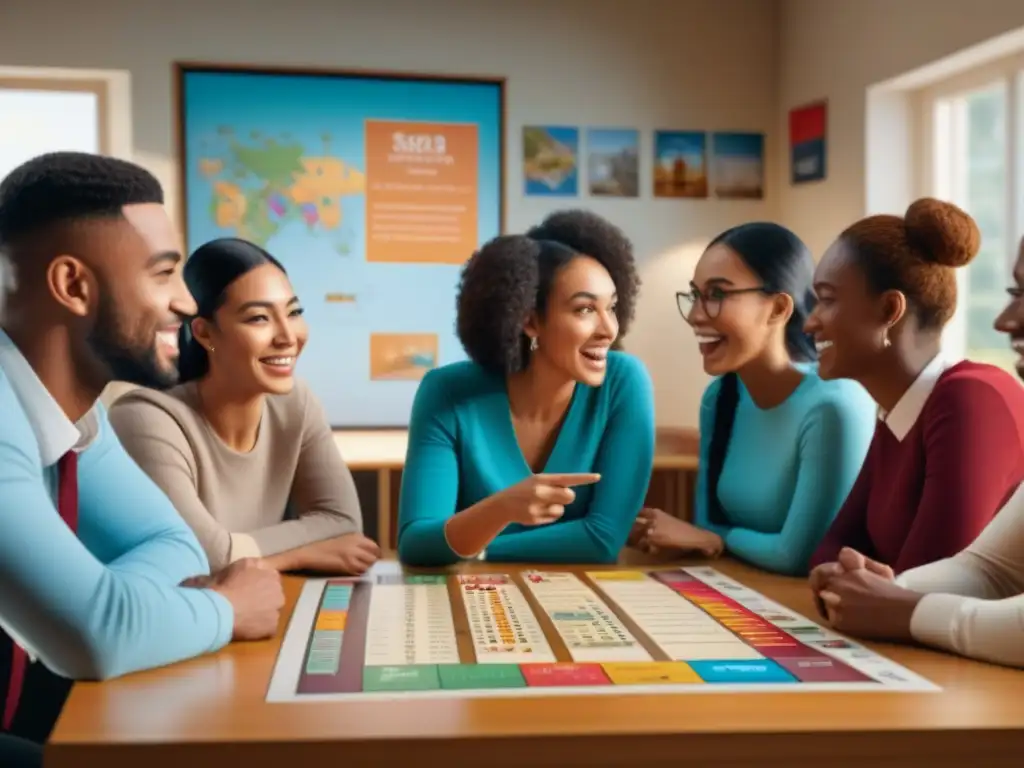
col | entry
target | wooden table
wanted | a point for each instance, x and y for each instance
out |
(211, 712)
(381, 454)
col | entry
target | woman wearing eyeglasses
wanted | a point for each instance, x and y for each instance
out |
(779, 447)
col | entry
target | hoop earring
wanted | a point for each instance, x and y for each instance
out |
(885, 339)
(533, 344)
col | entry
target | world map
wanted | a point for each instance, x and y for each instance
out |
(260, 184)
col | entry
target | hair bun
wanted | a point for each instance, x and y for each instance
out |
(942, 233)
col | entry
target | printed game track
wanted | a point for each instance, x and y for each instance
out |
(691, 630)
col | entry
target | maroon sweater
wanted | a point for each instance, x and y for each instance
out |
(929, 496)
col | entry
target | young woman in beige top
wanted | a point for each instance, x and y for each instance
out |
(241, 447)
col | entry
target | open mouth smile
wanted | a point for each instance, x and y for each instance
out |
(279, 365)
(167, 340)
(595, 358)
(709, 343)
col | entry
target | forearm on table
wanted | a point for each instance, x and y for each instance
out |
(986, 630)
(303, 531)
(443, 541)
(290, 545)
(304, 557)
(470, 531)
(575, 541)
(958, 575)
(771, 551)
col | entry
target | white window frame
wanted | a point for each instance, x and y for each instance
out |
(96, 87)
(936, 167)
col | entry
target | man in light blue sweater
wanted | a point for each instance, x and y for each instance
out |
(99, 575)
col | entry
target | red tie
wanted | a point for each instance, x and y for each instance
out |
(67, 506)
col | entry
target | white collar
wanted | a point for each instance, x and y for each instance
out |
(904, 415)
(54, 431)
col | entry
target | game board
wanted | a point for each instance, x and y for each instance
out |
(550, 632)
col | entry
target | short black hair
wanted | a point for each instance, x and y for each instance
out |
(511, 276)
(59, 187)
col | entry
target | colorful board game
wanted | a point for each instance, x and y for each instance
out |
(550, 632)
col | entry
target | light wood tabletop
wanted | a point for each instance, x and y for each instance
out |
(212, 712)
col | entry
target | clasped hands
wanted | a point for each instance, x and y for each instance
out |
(859, 596)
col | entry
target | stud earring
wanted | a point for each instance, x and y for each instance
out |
(533, 344)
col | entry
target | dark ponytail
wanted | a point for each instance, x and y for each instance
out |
(208, 273)
(784, 264)
(193, 360)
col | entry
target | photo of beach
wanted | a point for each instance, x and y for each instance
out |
(550, 161)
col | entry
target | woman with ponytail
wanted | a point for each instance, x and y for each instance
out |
(539, 448)
(241, 446)
(779, 447)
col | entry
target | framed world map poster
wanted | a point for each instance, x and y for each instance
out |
(372, 189)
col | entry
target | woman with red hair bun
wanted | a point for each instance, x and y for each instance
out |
(948, 448)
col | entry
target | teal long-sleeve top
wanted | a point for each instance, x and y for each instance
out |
(105, 602)
(463, 449)
(787, 469)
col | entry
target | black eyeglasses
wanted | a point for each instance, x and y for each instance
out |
(712, 300)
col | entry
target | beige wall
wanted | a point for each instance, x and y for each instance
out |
(836, 49)
(713, 64)
(704, 64)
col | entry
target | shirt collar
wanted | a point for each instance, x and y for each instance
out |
(904, 415)
(55, 433)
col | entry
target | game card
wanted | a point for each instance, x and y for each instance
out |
(502, 625)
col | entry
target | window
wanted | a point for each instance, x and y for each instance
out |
(975, 131)
(44, 115)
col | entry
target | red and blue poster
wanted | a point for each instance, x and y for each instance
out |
(807, 142)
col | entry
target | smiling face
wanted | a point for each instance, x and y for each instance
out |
(736, 320)
(142, 298)
(1011, 319)
(258, 333)
(579, 322)
(849, 322)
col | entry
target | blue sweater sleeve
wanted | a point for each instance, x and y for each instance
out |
(158, 544)
(625, 461)
(84, 618)
(706, 425)
(831, 449)
(430, 478)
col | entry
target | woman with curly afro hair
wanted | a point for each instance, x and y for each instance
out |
(947, 448)
(540, 446)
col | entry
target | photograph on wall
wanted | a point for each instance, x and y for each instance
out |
(371, 190)
(738, 166)
(613, 162)
(808, 146)
(551, 161)
(680, 164)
